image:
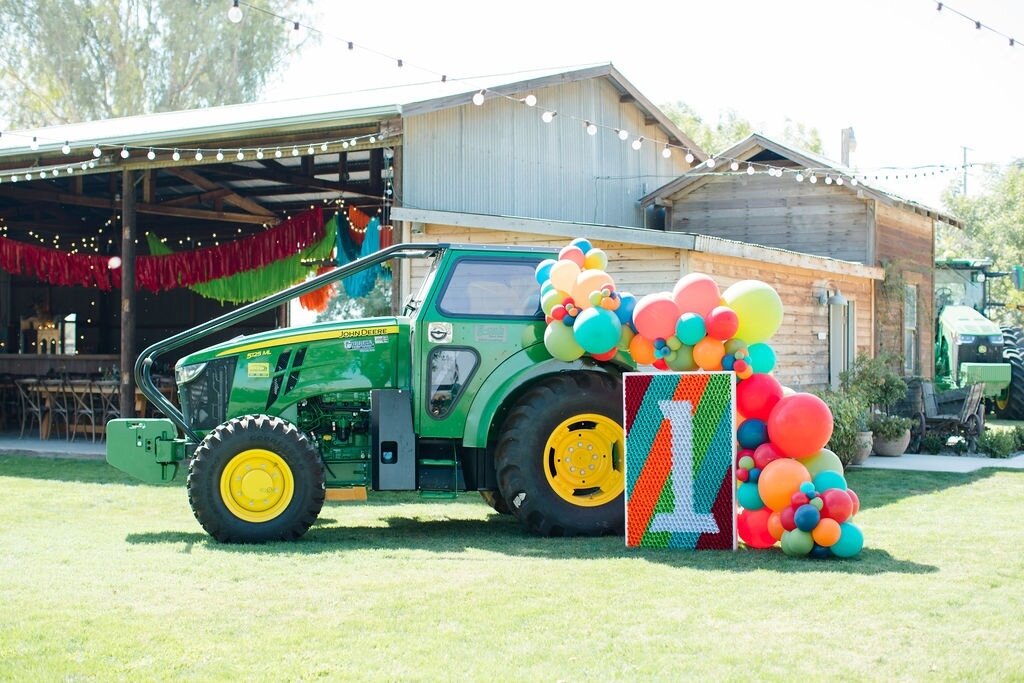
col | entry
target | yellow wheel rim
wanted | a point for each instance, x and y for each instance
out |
(1003, 400)
(583, 460)
(257, 485)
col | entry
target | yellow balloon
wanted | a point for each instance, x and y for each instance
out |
(587, 282)
(563, 275)
(595, 258)
(758, 307)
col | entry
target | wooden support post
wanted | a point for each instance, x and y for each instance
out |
(128, 317)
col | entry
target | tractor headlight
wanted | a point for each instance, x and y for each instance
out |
(183, 374)
(965, 339)
(995, 339)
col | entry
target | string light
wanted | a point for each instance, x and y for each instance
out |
(622, 133)
(277, 153)
(666, 152)
(151, 154)
(96, 151)
(199, 155)
(591, 128)
(124, 153)
(240, 155)
(711, 162)
(176, 155)
(799, 177)
(66, 148)
(478, 98)
(530, 100)
(978, 25)
(220, 155)
(750, 169)
(689, 157)
(235, 13)
(638, 143)
(259, 153)
(34, 145)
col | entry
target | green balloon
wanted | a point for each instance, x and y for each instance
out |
(824, 461)
(561, 343)
(683, 360)
(851, 540)
(734, 345)
(550, 299)
(817, 503)
(746, 462)
(797, 542)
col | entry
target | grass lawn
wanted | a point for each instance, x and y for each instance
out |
(102, 578)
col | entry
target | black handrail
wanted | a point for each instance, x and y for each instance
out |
(144, 365)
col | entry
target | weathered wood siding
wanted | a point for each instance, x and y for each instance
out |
(826, 220)
(906, 241)
(640, 269)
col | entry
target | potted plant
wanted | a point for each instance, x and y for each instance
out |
(880, 387)
(849, 422)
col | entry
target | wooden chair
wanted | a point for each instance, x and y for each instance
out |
(31, 404)
(967, 423)
(83, 406)
(59, 402)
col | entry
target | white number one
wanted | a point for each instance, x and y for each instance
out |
(684, 518)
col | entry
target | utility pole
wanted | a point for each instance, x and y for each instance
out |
(964, 189)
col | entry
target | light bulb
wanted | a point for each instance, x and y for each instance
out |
(622, 133)
(66, 148)
(530, 100)
(199, 155)
(42, 174)
(259, 153)
(151, 154)
(277, 153)
(750, 169)
(711, 162)
(853, 181)
(295, 151)
(323, 146)
(176, 156)
(28, 176)
(310, 150)
(220, 155)
(689, 157)
(478, 98)
(548, 116)
(814, 179)
(839, 180)
(240, 155)
(799, 177)
(667, 152)
(235, 13)
(34, 145)
(96, 151)
(734, 166)
(70, 170)
(828, 180)
(344, 144)
(124, 153)
(637, 143)
(591, 128)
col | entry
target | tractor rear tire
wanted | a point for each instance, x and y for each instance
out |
(1012, 336)
(496, 501)
(1011, 406)
(255, 479)
(560, 456)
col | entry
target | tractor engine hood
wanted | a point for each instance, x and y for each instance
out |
(965, 321)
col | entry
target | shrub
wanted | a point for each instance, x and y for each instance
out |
(875, 381)
(933, 443)
(1018, 438)
(848, 418)
(997, 443)
(889, 426)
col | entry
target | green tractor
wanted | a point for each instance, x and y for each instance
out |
(970, 348)
(456, 394)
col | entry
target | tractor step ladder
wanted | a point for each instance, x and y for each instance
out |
(442, 494)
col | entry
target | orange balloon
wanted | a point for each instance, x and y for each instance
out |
(642, 350)
(587, 282)
(775, 525)
(779, 480)
(827, 532)
(708, 353)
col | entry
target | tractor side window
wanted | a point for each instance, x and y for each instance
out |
(450, 371)
(491, 289)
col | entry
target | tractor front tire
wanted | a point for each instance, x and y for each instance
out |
(560, 456)
(255, 479)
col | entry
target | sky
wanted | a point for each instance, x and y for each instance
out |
(917, 85)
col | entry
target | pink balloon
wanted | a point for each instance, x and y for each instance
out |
(696, 293)
(572, 253)
(800, 425)
(757, 395)
(722, 323)
(655, 316)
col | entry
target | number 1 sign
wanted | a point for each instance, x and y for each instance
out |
(680, 450)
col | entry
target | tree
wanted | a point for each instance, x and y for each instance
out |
(731, 128)
(993, 228)
(82, 60)
(343, 307)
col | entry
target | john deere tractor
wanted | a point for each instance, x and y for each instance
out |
(456, 394)
(970, 348)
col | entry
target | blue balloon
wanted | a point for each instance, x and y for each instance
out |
(597, 330)
(761, 357)
(748, 497)
(543, 272)
(820, 552)
(752, 433)
(823, 481)
(851, 540)
(806, 517)
(691, 328)
(727, 361)
(583, 243)
(627, 302)
(755, 474)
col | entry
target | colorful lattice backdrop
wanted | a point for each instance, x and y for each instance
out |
(680, 451)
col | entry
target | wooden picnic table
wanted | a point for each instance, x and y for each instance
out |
(51, 391)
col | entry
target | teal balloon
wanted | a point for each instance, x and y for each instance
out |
(796, 542)
(546, 287)
(597, 330)
(690, 329)
(543, 271)
(752, 433)
(583, 243)
(683, 360)
(824, 481)
(851, 540)
(561, 344)
(824, 461)
(748, 497)
(761, 357)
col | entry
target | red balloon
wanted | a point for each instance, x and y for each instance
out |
(800, 425)
(661, 364)
(787, 518)
(721, 323)
(837, 505)
(742, 474)
(856, 501)
(757, 395)
(752, 526)
(765, 453)
(799, 499)
(608, 355)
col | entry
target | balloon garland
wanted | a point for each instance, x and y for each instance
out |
(790, 488)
